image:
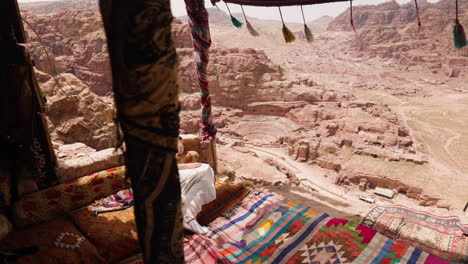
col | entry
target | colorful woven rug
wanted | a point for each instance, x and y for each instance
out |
(267, 228)
(441, 236)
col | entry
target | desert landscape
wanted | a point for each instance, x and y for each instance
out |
(324, 123)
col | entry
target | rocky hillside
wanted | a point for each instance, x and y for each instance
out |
(390, 31)
(75, 43)
(48, 7)
(76, 114)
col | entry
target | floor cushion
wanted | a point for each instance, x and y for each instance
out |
(113, 233)
(58, 200)
(227, 196)
(59, 241)
(187, 157)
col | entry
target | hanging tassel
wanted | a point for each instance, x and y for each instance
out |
(308, 34)
(287, 34)
(459, 36)
(250, 28)
(417, 12)
(234, 20)
(351, 15)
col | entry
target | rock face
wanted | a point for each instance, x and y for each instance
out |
(75, 43)
(362, 127)
(76, 114)
(237, 77)
(390, 31)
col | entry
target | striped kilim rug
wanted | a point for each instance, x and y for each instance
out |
(268, 228)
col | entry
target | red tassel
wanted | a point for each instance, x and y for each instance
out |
(417, 12)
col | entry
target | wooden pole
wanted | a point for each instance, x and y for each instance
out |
(144, 73)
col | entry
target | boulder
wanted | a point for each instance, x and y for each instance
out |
(74, 168)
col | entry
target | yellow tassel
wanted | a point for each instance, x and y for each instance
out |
(288, 35)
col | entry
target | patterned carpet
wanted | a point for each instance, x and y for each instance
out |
(442, 236)
(267, 228)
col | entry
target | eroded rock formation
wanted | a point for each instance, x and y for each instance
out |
(390, 31)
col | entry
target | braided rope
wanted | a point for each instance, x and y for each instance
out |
(198, 21)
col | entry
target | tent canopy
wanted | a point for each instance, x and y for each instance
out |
(278, 2)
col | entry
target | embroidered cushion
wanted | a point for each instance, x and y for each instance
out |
(113, 233)
(188, 157)
(58, 200)
(59, 241)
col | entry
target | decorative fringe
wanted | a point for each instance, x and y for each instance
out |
(252, 30)
(234, 20)
(287, 34)
(459, 36)
(417, 12)
(308, 34)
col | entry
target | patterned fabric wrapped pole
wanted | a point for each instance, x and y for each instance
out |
(198, 21)
(144, 73)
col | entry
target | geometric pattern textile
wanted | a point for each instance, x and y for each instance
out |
(69, 240)
(441, 236)
(267, 228)
(59, 242)
(58, 200)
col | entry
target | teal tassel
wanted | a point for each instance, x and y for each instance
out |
(236, 22)
(459, 36)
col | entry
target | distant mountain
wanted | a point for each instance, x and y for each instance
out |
(215, 15)
(390, 31)
(391, 13)
(220, 17)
